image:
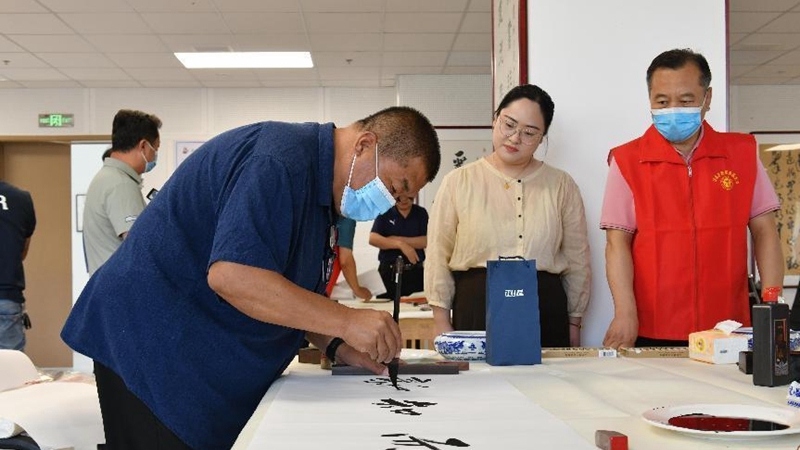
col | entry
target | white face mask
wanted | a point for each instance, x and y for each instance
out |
(150, 165)
(370, 200)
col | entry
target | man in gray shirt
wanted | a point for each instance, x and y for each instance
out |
(114, 199)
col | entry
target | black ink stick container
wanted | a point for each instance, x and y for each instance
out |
(771, 340)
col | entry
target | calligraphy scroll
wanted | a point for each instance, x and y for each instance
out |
(509, 46)
(783, 168)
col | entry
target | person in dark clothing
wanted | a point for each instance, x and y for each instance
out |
(401, 231)
(17, 222)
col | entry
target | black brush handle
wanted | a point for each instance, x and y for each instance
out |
(398, 287)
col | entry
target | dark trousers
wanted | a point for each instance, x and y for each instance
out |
(128, 423)
(648, 342)
(412, 279)
(469, 305)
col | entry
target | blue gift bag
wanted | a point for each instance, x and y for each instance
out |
(513, 333)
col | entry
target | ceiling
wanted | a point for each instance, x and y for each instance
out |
(353, 43)
(764, 41)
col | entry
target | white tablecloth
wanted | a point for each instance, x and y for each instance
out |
(57, 414)
(591, 394)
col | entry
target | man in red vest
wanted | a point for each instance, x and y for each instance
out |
(677, 206)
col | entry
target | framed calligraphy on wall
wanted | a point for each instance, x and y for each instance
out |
(183, 149)
(780, 154)
(509, 46)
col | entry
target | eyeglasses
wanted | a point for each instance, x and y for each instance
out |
(527, 135)
(151, 146)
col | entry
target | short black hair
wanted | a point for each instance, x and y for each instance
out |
(131, 126)
(533, 93)
(405, 134)
(677, 58)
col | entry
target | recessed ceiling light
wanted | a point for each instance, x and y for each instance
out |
(245, 60)
(783, 148)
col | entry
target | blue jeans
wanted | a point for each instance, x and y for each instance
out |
(12, 331)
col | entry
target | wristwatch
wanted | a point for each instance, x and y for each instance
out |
(330, 350)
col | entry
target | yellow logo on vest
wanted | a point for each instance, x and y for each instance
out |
(726, 178)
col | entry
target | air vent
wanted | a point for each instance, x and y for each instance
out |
(759, 47)
(213, 49)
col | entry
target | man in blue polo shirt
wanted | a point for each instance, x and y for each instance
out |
(402, 231)
(210, 297)
(17, 222)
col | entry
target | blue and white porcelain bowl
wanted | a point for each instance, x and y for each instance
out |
(794, 338)
(793, 399)
(462, 345)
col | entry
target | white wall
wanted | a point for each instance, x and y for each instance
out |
(591, 57)
(188, 114)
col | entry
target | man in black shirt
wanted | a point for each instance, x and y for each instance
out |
(17, 222)
(401, 231)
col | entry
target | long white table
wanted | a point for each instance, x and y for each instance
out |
(589, 394)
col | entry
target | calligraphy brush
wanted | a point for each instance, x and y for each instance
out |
(398, 282)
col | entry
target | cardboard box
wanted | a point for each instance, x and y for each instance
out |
(309, 355)
(716, 347)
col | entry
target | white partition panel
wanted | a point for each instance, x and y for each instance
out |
(182, 111)
(448, 100)
(236, 107)
(344, 106)
(85, 162)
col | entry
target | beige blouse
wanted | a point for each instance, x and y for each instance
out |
(474, 218)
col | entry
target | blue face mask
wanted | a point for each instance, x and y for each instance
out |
(369, 201)
(677, 124)
(150, 165)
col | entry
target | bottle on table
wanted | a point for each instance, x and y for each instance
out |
(771, 340)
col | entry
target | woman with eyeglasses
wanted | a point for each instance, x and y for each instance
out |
(510, 204)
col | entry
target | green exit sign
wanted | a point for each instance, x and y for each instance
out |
(56, 120)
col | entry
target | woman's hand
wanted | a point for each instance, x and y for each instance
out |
(575, 334)
(441, 320)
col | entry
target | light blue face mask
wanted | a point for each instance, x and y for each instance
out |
(370, 200)
(678, 124)
(150, 165)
